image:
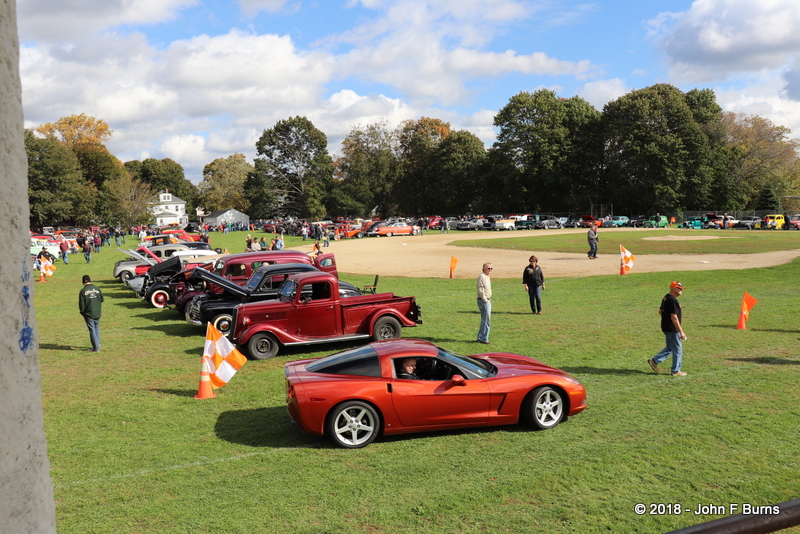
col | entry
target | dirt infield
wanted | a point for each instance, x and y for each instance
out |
(428, 256)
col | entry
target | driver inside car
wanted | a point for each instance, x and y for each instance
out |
(407, 368)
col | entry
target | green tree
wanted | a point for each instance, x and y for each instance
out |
(130, 200)
(365, 173)
(547, 147)
(57, 190)
(417, 142)
(294, 172)
(456, 166)
(223, 184)
(652, 144)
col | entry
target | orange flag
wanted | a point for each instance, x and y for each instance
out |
(453, 263)
(747, 304)
(222, 357)
(625, 260)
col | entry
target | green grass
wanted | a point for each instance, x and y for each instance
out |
(131, 450)
(642, 241)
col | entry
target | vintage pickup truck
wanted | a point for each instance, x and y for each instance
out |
(217, 308)
(309, 310)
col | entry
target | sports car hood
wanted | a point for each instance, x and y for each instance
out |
(513, 364)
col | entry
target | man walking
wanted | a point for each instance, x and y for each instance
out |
(90, 301)
(533, 281)
(484, 287)
(670, 312)
(591, 236)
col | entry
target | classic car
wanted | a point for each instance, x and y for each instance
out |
(238, 268)
(588, 220)
(547, 222)
(748, 222)
(656, 221)
(265, 284)
(471, 224)
(395, 228)
(617, 221)
(125, 269)
(793, 223)
(310, 310)
(181, 234)
(637, 221)
(526, 222)
(350, 231)
(52, 248)
(692, 222)
(356, 395)
(498, 222)
(772, 222)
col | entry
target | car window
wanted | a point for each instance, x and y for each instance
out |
(428, 368)
(470, 367)
(320, 291)
(360, 361)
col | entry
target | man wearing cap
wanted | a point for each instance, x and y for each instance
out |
(90, 302)
(670, 312)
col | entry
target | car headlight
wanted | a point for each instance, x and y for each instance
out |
(572, 379)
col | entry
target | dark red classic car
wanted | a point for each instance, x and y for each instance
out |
(358, 394)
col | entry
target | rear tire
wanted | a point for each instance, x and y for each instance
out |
(159, 298)
(353, 424)
(125, 276)
(387, 328)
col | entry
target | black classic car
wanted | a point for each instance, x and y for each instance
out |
(264, 284)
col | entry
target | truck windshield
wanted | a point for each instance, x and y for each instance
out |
(288, 290)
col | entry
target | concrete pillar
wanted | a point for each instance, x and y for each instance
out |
(26, 492)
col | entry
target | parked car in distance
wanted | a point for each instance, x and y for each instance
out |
(692, 222)
(126, 269)
(471, 224)
(588, 220)
(637, 221)
(656, 221)
(617, 221)
(395, 228)
(309, 310)
(547, 222)
(773, 222)
(748, 222)
(38, 244)
(793, 223)
(528, 222)
(354, 396)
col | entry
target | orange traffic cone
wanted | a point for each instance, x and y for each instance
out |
(742, 321)
(622, 267)
(204, 389)
(41, 275)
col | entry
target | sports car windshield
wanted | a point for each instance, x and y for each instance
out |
(473, 367)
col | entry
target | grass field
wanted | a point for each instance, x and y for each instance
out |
(132, 451)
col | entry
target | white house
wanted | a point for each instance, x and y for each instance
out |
(170, 210)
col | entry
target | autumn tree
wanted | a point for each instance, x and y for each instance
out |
(365, 172)
(293, 171)
(762, 156)
(417, 142)
(77, 130)
(223, 184)
(130, 200)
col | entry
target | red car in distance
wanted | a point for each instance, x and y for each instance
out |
(356, 395)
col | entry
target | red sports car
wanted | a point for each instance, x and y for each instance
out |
(400, 386)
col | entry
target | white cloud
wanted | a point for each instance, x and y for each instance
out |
(57, 20)
(720, 38)
(251, 7)
(601, 92)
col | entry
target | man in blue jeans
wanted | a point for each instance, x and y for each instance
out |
(670, 312)
(90, 303)
(484, 287)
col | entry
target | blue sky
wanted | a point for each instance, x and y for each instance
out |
(195, 80)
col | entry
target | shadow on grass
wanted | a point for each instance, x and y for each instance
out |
(775, 330)
(263, 427)
(177, 329)
(767, 360)
(177, 392)
(56, 346)
(604, 371)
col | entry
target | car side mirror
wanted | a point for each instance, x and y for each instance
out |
(458, 380)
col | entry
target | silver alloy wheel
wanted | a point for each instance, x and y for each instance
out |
(548, 408)
(354, 424)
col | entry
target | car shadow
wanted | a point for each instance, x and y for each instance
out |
(767, 360)
(264, 427)
(176, 329)
(605, 371)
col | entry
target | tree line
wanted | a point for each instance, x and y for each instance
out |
(653, 149)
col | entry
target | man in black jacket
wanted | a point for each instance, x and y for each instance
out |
(90, 303)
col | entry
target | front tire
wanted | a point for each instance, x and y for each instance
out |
(543, 408)
(223, 323)
(125, 276)
(353, 424)
(388, 234)
(262, 346)
(387, 328)
(159, 298)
